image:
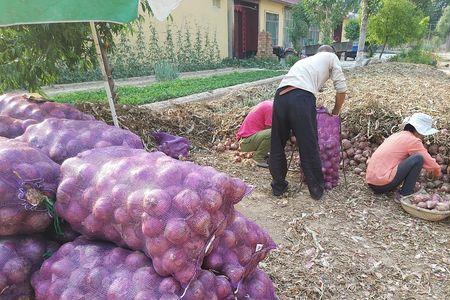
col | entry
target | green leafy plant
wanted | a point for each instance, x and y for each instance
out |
(301, 21)
(416, 55)
(165, 70)
(328, 14)
(396, 23)
(291, 60)
(443, 26)
(133, 59)
(352, 30)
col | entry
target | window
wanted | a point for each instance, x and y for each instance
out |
(313, 36)
(272, 21)
(216, 3)
(288, 22)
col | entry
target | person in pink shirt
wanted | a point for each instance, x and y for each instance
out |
(254, 133)
(401, 157)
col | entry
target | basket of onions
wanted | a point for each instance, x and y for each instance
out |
(427, 207)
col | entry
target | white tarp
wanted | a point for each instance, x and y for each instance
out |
(162, 8)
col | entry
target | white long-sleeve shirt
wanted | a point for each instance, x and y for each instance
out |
(311, 73)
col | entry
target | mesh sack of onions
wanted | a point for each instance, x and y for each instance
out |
(28, 183)
(20, 257)
(61, 139)
(22, 107)
(171, 145)
(169, 209)
(328, 128)
(11, 127)
(97, 270)
(256, 287)
(238, 251)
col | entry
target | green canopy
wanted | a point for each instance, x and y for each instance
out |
(16, 12)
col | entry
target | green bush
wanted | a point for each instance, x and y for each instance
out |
(291, 60)
(165, 70)
(352, 30)
(416, 56)
(189, 52)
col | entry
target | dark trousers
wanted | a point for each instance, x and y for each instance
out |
(408, 172)
(296, 111)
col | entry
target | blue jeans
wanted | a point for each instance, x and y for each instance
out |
(408, 172)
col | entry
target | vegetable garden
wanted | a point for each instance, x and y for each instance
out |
(154, 227)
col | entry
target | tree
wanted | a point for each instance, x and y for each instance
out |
(363, 29)
(300, 24)
(367, 8)
(397, 23)
(328, 14)
(443, 26)
(352, 30)
(31, 55)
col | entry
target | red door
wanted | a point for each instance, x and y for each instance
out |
(245, 33)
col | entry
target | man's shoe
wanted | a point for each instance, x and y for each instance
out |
(278, 192)
(316, 193)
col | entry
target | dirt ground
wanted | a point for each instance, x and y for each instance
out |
(352, 244)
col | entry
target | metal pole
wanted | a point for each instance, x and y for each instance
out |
(105, 76)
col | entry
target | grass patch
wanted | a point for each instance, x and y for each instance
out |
(170, 89)
(416, 56)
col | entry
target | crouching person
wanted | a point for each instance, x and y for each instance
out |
(401, 157)
(254, 134)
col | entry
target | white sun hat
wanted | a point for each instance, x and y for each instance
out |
(423, 123)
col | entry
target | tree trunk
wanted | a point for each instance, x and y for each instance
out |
(109, 72)
(382, 50)
(363, 29)
(447, 44)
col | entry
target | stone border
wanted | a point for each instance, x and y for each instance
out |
(208, 96)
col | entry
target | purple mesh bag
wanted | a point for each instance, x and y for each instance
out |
(20, 257)
(11, 127)
(238, 251)
(95, 270)
(28, 178)
(23, 107)
(61, 139)
(169, 209)
(171, 145)
(328, 128)
(257, 286)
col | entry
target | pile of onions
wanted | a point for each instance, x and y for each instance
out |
(227, 144)
(61, 139)
(357, 152)
(94, 270)
(239, 249)
(27, 178)
(168, 209)
(431, 202)
(20, 257)
(20, 107)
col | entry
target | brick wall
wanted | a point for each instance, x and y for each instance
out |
(265, 49)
